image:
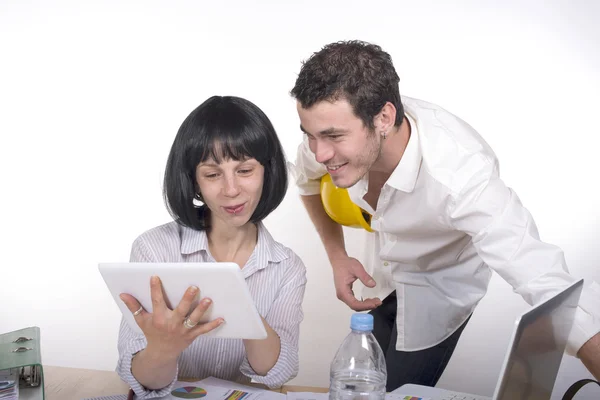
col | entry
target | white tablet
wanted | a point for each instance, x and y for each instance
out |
(224, 283)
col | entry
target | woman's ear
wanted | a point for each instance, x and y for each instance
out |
(198, 201)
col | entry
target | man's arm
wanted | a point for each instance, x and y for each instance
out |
(589, 354)
(308, 173)
(331, 233)
(346, 269)
(507, 240)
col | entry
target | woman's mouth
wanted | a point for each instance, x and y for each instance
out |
(235, 209)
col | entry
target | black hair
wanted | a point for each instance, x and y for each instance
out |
(359, 72)
(223, 127)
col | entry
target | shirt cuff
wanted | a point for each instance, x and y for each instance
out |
(587, 319)
(309, 188)
(285, 369)
(306, 186)
(124, 371)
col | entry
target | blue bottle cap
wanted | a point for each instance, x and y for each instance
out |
(361, 322)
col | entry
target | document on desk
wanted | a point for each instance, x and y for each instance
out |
(199, 390)
(400, 396)
(262, 393)
(211, 389)
(219, 389)
(325, 396)
(9, 384)
(307, 396)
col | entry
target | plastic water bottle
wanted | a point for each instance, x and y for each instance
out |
(358, 369)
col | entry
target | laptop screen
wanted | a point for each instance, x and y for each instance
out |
(538, 346)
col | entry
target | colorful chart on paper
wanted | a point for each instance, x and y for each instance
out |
(189, 392)
(236, 395)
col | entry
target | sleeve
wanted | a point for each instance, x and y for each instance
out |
(284, 317)
(307, 172)
(506, 238)
(130, 342)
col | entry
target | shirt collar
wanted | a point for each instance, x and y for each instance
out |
(405, 174)
(404, 177)
(193, 241)
(266, 250)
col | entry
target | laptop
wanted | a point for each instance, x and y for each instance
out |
(222, 282)
(534, 353)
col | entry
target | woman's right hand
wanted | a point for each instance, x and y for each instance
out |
(165, 331)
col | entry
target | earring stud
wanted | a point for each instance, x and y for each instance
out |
(197, 201)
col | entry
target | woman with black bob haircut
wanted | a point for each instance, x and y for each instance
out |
(225, 173)
(229, 128)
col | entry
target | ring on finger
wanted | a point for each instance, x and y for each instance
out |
(138, 312)
(189, 324)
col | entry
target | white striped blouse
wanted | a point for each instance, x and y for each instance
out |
(276, 278)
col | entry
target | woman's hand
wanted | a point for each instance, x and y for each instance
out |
(168, 332)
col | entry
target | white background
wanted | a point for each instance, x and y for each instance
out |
(91, 97)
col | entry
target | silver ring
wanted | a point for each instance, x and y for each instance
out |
(138, 312)
(188, 323)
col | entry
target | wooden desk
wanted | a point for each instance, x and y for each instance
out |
(61, 383)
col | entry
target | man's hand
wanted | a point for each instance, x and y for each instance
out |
(345, 271)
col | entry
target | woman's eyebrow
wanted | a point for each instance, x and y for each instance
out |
(209, 164)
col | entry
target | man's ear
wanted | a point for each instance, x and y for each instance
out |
(384, 121)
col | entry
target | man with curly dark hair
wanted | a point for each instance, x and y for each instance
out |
(442, 217)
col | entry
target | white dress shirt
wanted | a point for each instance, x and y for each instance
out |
(276, 278)
(444, 220)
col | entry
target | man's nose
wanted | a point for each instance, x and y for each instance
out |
(323, 151)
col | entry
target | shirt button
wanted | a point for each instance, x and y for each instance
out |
(385, 264)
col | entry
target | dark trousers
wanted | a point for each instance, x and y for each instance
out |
(423, 367)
